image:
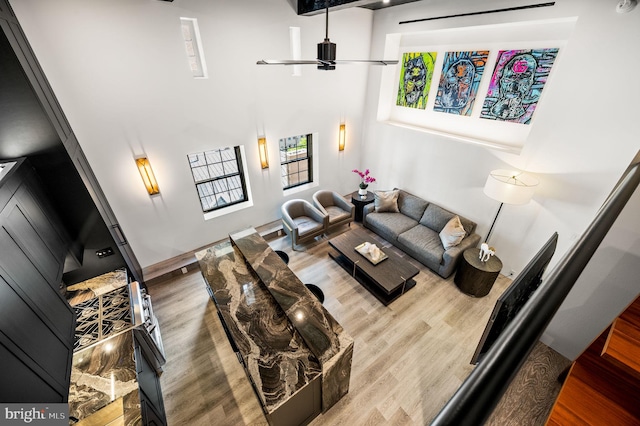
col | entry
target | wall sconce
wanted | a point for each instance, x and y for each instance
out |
(262, 149)
(342, 135)
(149, 179)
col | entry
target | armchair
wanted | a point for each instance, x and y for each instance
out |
(339, 210)
(302, 222)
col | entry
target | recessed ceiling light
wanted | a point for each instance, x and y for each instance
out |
(386, 1)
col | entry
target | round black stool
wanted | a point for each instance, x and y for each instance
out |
(317, 291)
(284, 256)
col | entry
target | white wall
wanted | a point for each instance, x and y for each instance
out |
(582, 138)
(119, 70)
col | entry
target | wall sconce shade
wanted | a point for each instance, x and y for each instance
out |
(262, 149)
(510, 187)
(149, 179)
(342, 137)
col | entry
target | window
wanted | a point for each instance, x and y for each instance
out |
(193, 44)
(219, 178)
(296, 160)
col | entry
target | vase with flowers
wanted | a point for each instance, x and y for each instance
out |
(365, 180)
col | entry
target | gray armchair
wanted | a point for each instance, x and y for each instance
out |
(339, 210)
(302, 222)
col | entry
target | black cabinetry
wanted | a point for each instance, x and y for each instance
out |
(151, 402)
(36, 322)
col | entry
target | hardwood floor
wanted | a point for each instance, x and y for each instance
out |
(409, 357)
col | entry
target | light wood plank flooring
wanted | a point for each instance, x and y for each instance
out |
(409, 357)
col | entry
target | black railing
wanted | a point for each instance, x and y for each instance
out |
(478, 395)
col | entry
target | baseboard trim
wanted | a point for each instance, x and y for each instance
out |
(187, 262)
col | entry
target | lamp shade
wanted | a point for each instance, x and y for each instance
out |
(510, 187)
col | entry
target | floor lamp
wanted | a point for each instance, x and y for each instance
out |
(508, 186)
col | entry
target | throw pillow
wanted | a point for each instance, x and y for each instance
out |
(386, 201)
(452, 233)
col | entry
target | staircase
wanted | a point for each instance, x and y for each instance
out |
(603, 384)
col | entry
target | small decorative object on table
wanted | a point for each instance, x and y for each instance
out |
(371, 252)
(365, 180)
(486, 252)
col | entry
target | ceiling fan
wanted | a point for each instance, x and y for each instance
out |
(326, 56)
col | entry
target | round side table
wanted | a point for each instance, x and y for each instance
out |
(360, 201)
(474, 277)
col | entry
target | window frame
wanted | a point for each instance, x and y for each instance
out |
(244, 184)
(309, 158)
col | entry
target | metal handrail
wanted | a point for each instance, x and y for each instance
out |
(479, 394)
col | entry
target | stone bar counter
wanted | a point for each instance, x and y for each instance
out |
(296, 355)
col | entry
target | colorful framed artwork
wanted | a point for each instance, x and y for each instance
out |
(459, 81)
(516, 85)
(416, 74)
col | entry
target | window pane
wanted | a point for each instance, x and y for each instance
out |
(213, 156)
(208, 203)
(228, 154)
(216, 170)
(303, 176)
(230, 167)
(234, 182)
(292, 167)
(236, 195)
(223, 198)
(196, 160)
(205, 189)
(200, 174)
(220, 185)
(303, 165)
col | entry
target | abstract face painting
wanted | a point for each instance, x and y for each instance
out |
(517, 83)
(415, 79)
(459, 81)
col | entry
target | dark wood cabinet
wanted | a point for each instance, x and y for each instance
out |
(151, 402)
(36, 322)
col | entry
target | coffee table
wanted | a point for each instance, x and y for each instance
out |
(386, 280)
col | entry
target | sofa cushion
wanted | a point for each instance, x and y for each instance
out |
(390, 224)
(386, 201)
(306, 225)
(336, 214)
(425, 243)
(411, 205)
(452, 233)
(435, 217)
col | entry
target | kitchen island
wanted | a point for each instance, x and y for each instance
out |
(296, 355)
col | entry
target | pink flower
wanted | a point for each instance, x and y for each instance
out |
(365, 178)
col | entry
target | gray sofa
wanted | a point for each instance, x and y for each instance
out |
(416, 228)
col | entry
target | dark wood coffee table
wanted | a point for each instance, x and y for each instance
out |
(387, 280)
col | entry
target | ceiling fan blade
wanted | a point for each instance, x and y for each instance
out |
(322, 62)
(367, 61)
(287, 62)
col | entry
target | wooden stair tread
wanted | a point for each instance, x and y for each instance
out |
(589, 397)
(603, 385)
(623, 346)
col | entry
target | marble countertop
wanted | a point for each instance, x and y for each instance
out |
(105, 374)
(274, 354)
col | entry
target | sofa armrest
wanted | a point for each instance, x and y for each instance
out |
(366, 210)
(450, 257)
